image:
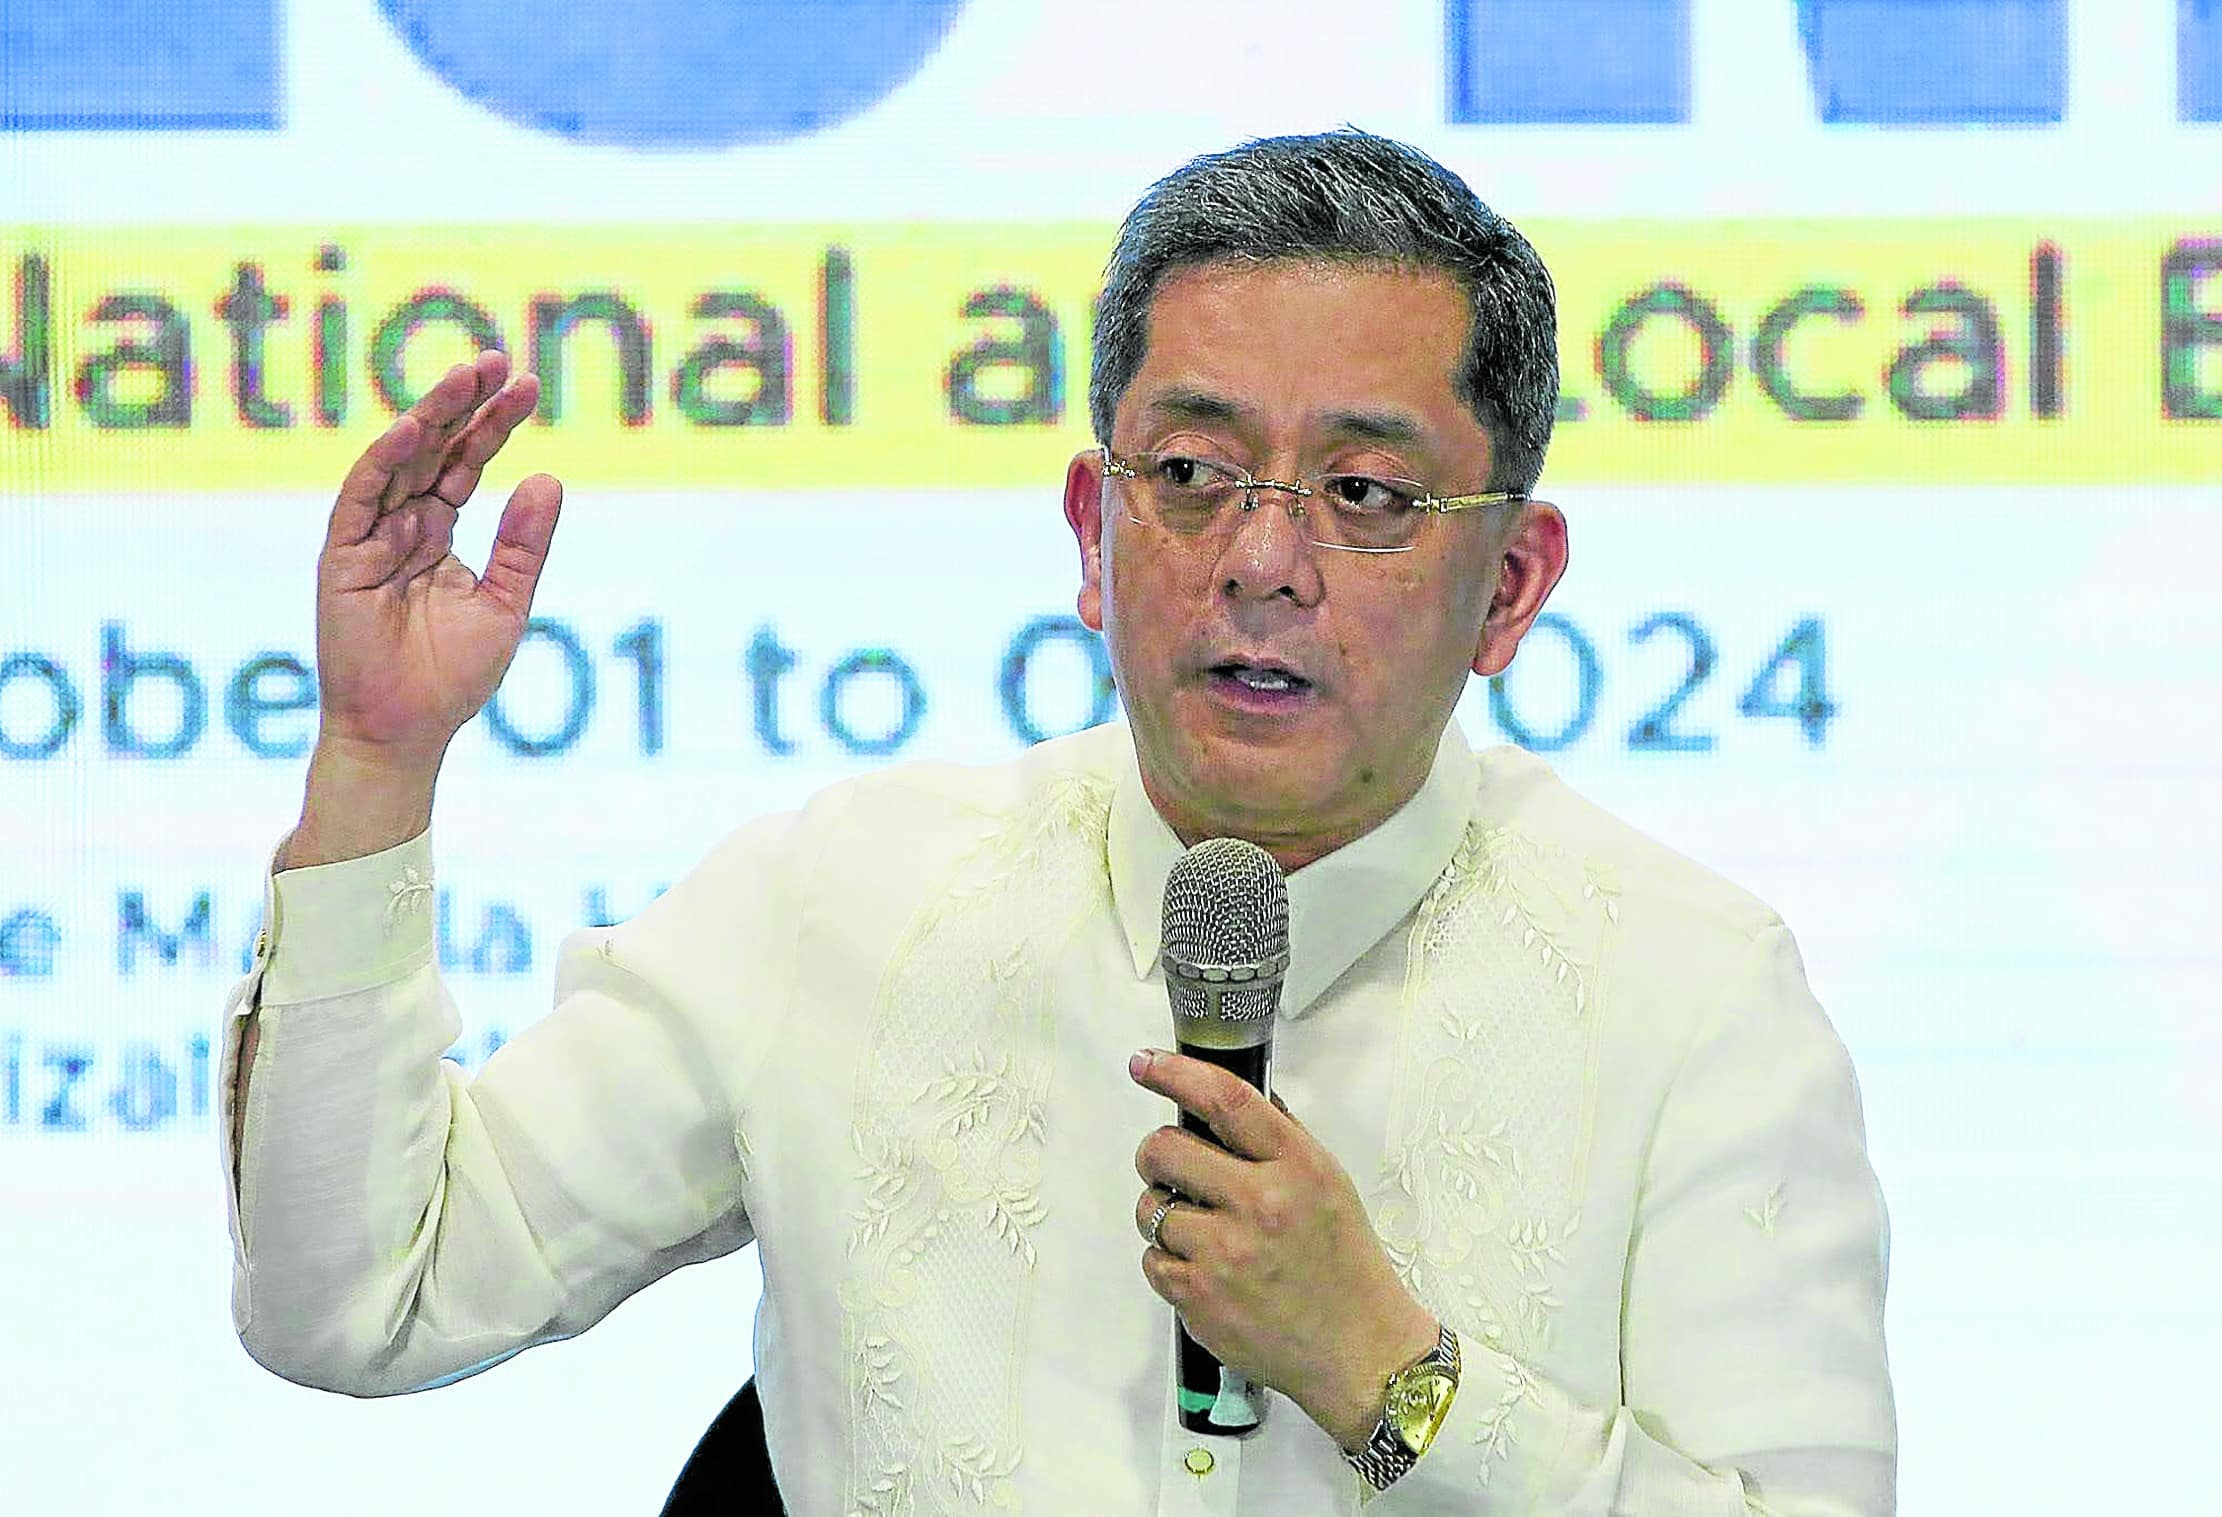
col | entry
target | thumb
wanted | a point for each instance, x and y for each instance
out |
(521, 542)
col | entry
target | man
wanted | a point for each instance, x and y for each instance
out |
(1569, 1149)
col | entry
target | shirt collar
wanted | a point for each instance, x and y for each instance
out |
(1339, 906)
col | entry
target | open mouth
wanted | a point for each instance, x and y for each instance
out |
(1264, 679)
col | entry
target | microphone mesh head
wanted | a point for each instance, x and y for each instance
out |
(1226, 903)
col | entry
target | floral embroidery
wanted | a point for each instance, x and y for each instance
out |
(967, 1095)
(951, 1124)
(888, 1493)
(1014, 1212)
(1503, 864)
(1601, 879)
(1763, 1216)
(1494, 1436)
(967, 1465)
(1481, 1184)
(408, 893)
(876, 1374)
(1535, 1246)
(886, 1176)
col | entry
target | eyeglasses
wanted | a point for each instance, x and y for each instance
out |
(1191, 494)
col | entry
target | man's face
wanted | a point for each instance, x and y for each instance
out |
(1294, 369)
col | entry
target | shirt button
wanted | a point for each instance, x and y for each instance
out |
(1199, 1463)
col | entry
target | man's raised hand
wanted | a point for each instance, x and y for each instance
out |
(410, 644)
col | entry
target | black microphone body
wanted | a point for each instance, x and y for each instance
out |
(1211, 1399)
(1225, 948)
(1253, 1066)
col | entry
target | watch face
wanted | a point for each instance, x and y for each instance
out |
(1417, 1403)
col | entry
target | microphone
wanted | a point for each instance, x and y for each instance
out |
(1225, 940)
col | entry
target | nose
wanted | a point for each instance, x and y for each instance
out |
(1270, 555)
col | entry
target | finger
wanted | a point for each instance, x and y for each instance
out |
(1230, 1106)
(1184, 1229)
(1145, 1209)
(404, 542)
(449, 416)
(1183, 1162)
(1172, 1277)
(360, 494)
(468, 455)
(432, 539)
(461, 391)
(521, 542)
(440, 502)
(379, 559)
(443, 411)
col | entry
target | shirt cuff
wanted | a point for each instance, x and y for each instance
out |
(1514, 1442)
(1497, 1450)
(332, 929)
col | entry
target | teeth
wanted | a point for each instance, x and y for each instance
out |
(1262, 679)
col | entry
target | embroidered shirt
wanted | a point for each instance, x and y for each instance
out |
(1603, 1128)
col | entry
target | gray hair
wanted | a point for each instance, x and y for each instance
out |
(1346, 196)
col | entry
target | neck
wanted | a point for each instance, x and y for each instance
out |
(1292, 844)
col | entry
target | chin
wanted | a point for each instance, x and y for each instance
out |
(1257, 793)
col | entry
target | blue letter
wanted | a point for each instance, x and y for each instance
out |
(27, 942)
(134, 928)
(1937, 62)
(141, 65)
(2199, 60)
(121, 669)
(673, 73)
(1566, 61)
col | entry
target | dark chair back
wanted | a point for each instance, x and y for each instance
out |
(730, 1470)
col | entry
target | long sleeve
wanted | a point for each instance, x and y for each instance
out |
(1753, 1369)
(395, 1225)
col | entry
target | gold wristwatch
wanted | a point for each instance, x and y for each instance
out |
(1418, 1399)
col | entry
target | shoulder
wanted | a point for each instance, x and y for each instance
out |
(904, 820)
(1583, 848)
(927, 809)
(1690, 963)
(863, 849)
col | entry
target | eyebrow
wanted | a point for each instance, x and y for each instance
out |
(1374, 426)
(1184, 403)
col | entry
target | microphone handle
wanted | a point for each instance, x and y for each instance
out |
(1212, 1398)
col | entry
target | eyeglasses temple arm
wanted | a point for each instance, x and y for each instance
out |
(1444, 504)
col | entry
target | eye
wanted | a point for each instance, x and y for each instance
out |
(1185, 472)
(1369, 494)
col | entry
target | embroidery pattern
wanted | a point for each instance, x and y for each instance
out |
(744, 1156)
(1764, 1214)
(1495, 1433)
(407, 893)
(948, 1139)
(1482, 1179)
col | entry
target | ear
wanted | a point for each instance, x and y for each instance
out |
(1528, 569)
(1084, 514)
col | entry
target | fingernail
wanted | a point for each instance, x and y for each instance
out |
(1139, 1065)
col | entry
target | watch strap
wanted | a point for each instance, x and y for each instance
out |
(1386, 1456)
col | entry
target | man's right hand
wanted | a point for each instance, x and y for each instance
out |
(410, 644)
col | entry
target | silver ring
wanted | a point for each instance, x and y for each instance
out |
(1157, 1218)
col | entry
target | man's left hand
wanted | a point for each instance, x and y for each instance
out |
(1268, 1255)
